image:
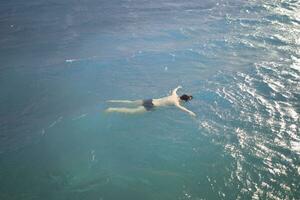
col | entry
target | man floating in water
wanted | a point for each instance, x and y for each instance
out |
(150, 104)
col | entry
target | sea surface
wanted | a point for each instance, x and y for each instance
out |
(60, 61)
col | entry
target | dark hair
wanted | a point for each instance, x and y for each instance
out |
(186, 98)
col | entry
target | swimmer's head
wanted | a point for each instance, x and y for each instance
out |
(186, 98)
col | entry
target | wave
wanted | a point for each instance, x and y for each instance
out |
(255, 119)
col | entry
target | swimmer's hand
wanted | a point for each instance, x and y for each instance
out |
(175, 90)
(192, 114)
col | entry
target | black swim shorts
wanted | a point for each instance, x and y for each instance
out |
(148, 104)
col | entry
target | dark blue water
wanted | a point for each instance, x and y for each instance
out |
(61, 61)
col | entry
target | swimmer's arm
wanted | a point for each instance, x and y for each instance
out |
(175, 90)
(185, 110)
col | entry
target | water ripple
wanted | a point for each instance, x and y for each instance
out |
(261, 129)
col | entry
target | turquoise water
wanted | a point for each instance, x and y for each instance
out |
(61, 61)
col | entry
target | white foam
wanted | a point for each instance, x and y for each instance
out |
(296, 63)
(295, 146)
(241, 134)
(71, 60)
(55, 122)
(80, 116)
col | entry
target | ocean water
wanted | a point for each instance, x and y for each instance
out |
(62, 60)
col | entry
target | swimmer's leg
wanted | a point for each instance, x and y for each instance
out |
(139, 109)
(136, 102)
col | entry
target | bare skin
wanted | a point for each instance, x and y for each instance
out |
(171, 100)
